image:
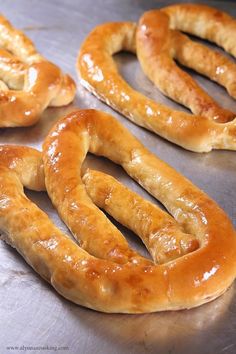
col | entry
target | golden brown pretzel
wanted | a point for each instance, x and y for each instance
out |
(28, 82)
(99, 74)
(114, 278)
(158, 46)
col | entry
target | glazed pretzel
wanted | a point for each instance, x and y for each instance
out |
(28, 82)
(104, 273)
(99, 74)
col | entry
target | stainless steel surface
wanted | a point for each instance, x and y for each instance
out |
(31, 313)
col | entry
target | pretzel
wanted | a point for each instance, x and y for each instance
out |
(28, 82)
(99, 74)
(102, 272)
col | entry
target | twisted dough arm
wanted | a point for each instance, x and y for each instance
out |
(107, 286)
(205, 22)
(36, 82)
(158, 46)
(160, 233)
(99, 74)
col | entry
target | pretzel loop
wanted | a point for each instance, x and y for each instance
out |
(113, 278)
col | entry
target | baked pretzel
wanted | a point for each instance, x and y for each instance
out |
(103, 273)
(28, 82)
(99, 74)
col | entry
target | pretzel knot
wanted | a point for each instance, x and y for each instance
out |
(193, 250)
(157, 42)
(28, 82)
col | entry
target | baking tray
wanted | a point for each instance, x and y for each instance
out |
(32, 314)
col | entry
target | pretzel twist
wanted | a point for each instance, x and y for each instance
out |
(104, 273)
(28, 82)
(156, 44)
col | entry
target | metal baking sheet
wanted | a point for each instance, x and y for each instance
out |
(32, 315)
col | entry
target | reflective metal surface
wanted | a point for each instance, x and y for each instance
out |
(31, 313)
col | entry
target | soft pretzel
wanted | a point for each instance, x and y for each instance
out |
(104, 273)
(158, 46)
(99, 74)
(28, 82)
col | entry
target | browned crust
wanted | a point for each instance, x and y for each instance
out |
(102, 284)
